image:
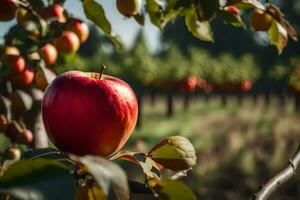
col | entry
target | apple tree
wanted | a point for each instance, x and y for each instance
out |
(44, 36)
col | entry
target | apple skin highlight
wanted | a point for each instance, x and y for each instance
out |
(86, 115)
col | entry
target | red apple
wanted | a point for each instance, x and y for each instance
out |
(7, 10)
(49, 54)
(189, 84)
(79, 28)
(86, 113)
(233, 9)
(68, 42)
(16, 64)
(246, 85)
(54, 11)
(26, 137)
(26, 77)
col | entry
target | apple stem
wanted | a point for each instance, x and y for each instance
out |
(103, 67)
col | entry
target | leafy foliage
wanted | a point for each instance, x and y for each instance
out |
(27, 179)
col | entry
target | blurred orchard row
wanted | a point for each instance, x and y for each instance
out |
(171, 70)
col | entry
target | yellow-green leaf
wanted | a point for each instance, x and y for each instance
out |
(278, 36)
(149, 166)
(201, 30)
(95, 12)
(171, 189)
(231, 19)
(175, 153)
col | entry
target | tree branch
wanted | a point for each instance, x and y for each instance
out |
(27, 7)
(34, 120)
(272, 185)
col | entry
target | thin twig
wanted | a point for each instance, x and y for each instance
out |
(272, 185)
(27, 7)
(197, 7)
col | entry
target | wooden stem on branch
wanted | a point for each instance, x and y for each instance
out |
(35, 122)
(272, 185)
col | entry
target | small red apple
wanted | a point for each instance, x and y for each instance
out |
(26, 137)
(89, 113)
(233, 9)
(26, 77)
(79, 28)
(68, 42)
(189, 84)
(49, 54)
(16, 64)
(246, 85)
(7, 10)
(54, 11)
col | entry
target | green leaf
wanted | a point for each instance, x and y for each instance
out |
(178, 4)
(149, 166)
(108, 175)
(155, 11)
(96, 14)
(38, 179)
(201, 30)
(247, 4)
(209, 8)
(116, 40)
(175, 153)
(231, 19)
(160, 16)
(5, 107)
(278, 36)
(171, 189)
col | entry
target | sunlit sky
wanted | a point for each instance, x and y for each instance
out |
(124, 27)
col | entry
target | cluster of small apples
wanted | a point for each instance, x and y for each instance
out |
(14, 130)
(18, 62)
(73, 32)
(191, 83)
(188, 84)
(234, 87)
